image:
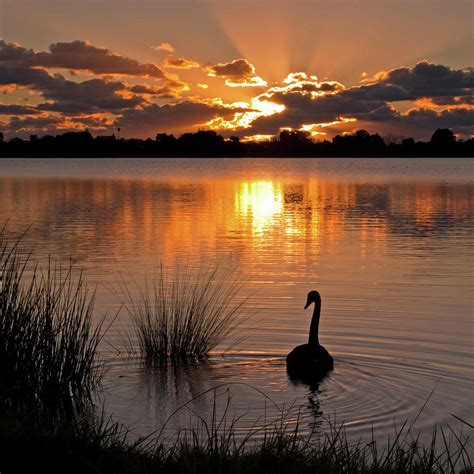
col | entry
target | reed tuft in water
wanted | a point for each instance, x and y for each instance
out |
(188, 316)
(48, 345)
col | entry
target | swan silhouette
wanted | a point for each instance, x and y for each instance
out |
(310, 360)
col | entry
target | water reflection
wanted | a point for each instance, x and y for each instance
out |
(168, 216)
(259, 201)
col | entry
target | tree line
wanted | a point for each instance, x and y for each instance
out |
(206, 143)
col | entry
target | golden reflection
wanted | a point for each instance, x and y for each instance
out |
(261, 200)
(249, 219)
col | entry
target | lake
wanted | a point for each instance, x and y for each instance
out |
(387, 242)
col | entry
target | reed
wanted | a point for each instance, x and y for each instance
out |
(101, 445)
(48, 345)
(188, 316)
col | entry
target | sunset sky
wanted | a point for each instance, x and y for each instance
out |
(245, 68)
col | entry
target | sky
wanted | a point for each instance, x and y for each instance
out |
(242, 68)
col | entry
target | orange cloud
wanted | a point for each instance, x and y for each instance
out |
(164, 47)
(180, 63)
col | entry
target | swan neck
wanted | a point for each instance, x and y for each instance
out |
(314, 328)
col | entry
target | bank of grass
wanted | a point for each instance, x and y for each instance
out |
(48, 344)
(187, 316)
(90, 445)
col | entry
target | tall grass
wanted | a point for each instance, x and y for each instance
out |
(48, 345)
(187, 316)
(215, 446)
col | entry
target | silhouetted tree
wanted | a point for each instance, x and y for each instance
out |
(165, 139)
(443, 137)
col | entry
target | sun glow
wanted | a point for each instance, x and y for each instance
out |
(260, 201)
(256, 108)
(257, 138)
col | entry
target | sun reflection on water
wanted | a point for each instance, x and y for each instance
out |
(261, 201)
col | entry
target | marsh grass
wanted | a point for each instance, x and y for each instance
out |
(48, 345)
(217, 445)
(185, 315)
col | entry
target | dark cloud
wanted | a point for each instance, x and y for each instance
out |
(237, 73)
(15, 109)
(180, 63)
(53, 125)
(450, 118)
(371, 102)
(171, 89)
(425, 80)
(240, 68)
(94, 95)
(33, 123)
(26, 77)
(180, 117)
(79, 55)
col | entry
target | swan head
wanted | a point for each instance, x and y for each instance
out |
(313, 297)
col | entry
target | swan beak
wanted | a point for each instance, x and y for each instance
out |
(307, 304)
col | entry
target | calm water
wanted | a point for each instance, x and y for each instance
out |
(388, 243)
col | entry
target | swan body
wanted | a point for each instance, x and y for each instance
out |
(310, 360)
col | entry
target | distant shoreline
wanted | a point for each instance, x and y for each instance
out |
(208, 144)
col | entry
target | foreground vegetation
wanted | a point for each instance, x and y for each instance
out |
(48, 345)
(186, 317)
(89, 445)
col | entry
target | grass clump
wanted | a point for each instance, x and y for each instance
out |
(48, 345)
(186, 317)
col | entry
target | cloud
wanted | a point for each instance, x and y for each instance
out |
(238, 73)
(62, 95)
(424, 80)
(15, 109)
(164, 47)
(171, 89)
(33, 123)
(93, 96)
(180, 63)
(53, 124)
(409, 100)
(459, 118)
(176, 118)
(308, 101)
(78, 55)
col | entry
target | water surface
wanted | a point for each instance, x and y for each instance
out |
(387, 242)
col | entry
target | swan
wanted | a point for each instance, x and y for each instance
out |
(312, 359)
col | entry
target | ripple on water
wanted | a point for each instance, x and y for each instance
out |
(363, 393)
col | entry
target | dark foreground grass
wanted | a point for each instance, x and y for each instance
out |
(186, 317)
(88, 445)
(48, 345)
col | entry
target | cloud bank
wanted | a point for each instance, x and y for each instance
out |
(108, 90)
